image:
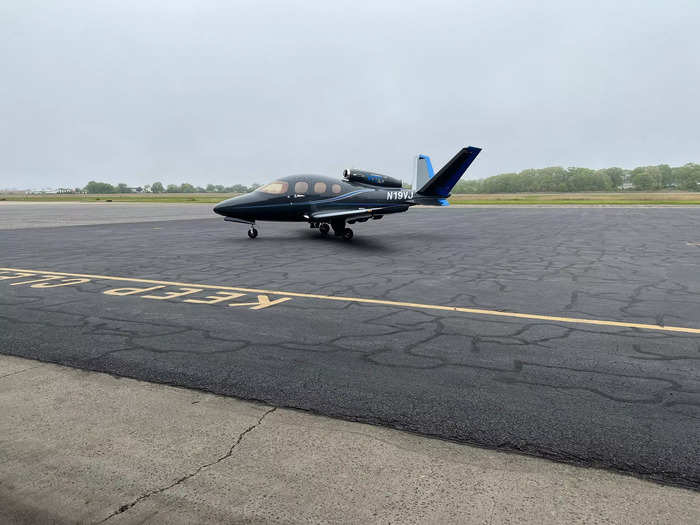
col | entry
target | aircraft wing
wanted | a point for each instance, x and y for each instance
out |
(355, 213)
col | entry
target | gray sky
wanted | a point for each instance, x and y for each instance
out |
(240, 92)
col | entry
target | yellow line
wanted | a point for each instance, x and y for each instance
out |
(478, 311)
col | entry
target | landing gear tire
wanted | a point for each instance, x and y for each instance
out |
(252, 233)
(347, 234)
(324, 229)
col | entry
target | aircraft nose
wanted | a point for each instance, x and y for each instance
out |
(229, 206)
(225, 207)
(219, 208)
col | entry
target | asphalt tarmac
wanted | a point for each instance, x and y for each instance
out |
(567, 333)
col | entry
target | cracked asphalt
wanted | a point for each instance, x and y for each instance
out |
(616, 397)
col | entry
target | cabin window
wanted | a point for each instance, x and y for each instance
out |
(301, 187)
(336, 188)
(275, 188)
(320, 187)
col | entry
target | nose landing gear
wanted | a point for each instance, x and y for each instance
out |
(252, 232)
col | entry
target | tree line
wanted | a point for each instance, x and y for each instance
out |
(544, 180)
(558, 180)
(158, 187)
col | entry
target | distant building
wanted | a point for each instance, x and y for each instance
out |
(42, 191)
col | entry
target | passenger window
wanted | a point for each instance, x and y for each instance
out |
(301, 187)
(320, 187)
(336, 188)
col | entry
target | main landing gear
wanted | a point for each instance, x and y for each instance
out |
(339, 229)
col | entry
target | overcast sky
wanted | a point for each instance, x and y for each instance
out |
(240, 92)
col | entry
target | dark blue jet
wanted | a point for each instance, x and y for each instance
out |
(327, 203)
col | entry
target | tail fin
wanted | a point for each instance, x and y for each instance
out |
(442, 183)
(424, 171)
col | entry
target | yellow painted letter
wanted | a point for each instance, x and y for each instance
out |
(263, 302)
(213, 299)
(50, 278)
(17, 276)
(66, 282)
(130, 291)
(172, 295)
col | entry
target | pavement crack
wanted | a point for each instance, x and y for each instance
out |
(20, 371)
(228, 454)
(495, 497)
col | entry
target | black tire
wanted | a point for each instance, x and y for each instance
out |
(324, 228)
(252, 233)
(347, 234)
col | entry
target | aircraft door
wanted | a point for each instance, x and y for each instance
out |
(299, 192)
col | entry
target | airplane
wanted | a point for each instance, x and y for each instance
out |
(326, 203)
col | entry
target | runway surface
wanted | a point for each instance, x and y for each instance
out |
(568, 333)
(18, 214)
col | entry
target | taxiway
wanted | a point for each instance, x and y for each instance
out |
(538, 330)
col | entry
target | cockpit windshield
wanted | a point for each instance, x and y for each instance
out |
(275, 188)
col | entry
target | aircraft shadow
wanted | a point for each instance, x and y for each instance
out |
(377, 244)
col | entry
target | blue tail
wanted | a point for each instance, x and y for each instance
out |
(424, 171)
(444, 180)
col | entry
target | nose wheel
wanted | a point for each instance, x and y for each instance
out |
(252, 233)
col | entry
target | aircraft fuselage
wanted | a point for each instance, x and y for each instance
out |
(321, 194)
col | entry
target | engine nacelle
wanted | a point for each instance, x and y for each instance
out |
(374, 179)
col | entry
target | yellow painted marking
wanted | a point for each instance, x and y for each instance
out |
(263, 302)
(172, 295)
(361, 300)
(218, 298)
(51, 278)
(130, 291)
(16, 276)
(64, 282)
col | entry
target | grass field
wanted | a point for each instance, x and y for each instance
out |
(121, 197)
(630, 197)
(484, 199)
